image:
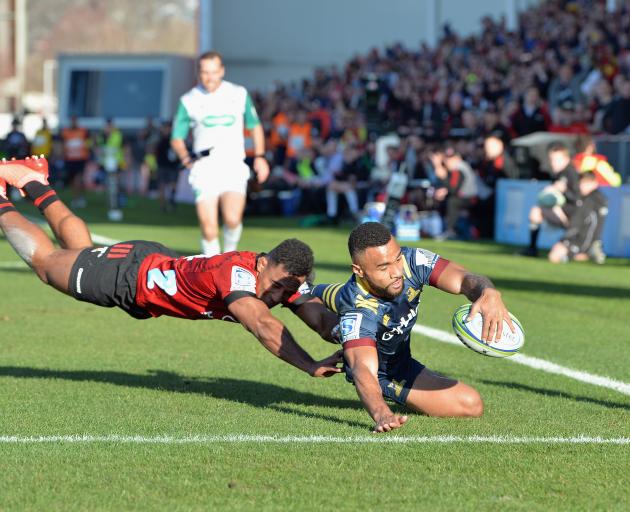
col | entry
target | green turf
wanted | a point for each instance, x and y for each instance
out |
(71, 368)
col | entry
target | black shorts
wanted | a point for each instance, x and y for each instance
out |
(167, 175)
(74, 168)
(551, 218)
(107, 276)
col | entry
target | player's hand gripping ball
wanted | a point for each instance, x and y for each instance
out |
(469, 330)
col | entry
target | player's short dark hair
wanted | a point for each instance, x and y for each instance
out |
(558, 146)
(588, 175)
(295, 255)
(212, 54)
(369, 234)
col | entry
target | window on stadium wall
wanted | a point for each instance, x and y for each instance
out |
(115, 93)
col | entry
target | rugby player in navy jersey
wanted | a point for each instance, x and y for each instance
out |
(146, 279)
(377, 308)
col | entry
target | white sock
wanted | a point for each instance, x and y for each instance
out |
(210, 247)
(353, 201)
(231, 237)
(331, 203)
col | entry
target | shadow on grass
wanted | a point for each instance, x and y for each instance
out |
(557, 394)
(606, 292)
(258, 394)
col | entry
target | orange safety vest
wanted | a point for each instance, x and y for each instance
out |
(75, 144)
(279, 130)
(598, 164)
(299, 137)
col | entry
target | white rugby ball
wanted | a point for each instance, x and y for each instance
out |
(469, 330)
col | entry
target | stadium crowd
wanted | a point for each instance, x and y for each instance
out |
(446, 113)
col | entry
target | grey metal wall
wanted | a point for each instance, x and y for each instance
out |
(267, 40)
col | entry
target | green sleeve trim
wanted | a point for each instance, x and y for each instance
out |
(251, 116)
(181, 125)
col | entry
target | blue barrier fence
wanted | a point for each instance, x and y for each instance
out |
(516, 197)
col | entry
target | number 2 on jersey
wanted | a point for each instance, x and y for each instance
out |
(166, 280)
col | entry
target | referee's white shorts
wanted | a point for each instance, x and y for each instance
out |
(211, 178)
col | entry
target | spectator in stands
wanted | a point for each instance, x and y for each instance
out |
(43, 140)
(16, 144)
(497, 164)
(167, 168)
(617, 116)
(299, 135)
(143, 151)
(531, 116)
(280, 133)
(76, 153)
(582, 239)
(564, 88)
(557, 202)
(459, 189)
(566, 120)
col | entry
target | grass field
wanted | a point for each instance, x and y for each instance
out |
(187, 390)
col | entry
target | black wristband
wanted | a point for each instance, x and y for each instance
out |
(260, 156)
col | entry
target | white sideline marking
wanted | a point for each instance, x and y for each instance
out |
(12, 264)
(97, 239)
(534, 362)
(374, 439)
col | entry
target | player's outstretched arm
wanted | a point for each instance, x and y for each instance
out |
(254, 315)
(481, 292)
(319, 318)
(363, 361)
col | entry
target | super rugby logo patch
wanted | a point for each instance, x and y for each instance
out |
(351, 326)
(243, 280)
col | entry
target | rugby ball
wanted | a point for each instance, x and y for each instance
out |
(551, 197)
(469, 330)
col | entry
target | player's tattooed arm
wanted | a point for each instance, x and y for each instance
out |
(485, 298)
(473, 285)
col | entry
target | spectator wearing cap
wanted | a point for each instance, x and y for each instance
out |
(565, 120)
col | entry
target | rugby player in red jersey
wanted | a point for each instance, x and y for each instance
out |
(146, 279)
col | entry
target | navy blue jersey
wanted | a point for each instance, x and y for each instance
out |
(367, 319)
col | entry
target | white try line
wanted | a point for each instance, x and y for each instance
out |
(97, 239)
(534, 362)
(314, 439)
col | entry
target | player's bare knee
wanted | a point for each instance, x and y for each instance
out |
(209, 232)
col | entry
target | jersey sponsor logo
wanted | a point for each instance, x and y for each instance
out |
(243, 280)
(350, 326)
(404, 322)
(397, 386)
(412, 293)
(224, 120)
(363, 302)
(385, 320)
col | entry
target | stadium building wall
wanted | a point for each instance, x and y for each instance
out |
(283, 40)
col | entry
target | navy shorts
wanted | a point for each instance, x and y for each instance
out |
(397, 381)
